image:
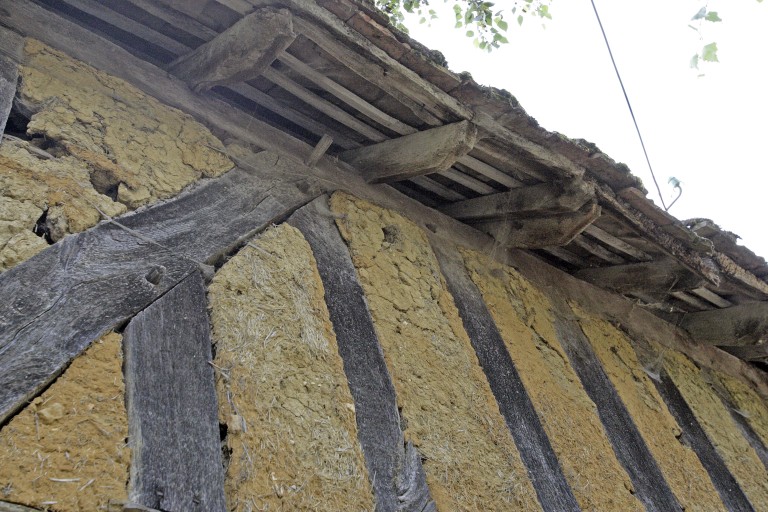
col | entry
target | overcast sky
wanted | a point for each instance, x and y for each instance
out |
(709, 132)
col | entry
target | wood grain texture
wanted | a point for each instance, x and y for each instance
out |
(745, 324)
(395, 469)
(173, 428)
(650, 486)
(514, 403)
(9, 74)
(59, 301)
(732, 495)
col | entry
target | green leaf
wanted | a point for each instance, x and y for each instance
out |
(502, 24)
(709, 53)
(702, 12)
(470, 33)
(712, 16)
(695, 61)
(520, 20)
(422, 20)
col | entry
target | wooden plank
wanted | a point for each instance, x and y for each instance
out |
(9, 75)
(566, 256)
(489, 171)
(173, 426)
(749, 352)
(514, 403)
(737, 274)
(691, 300)
(745, 324)
(418, 154)
(709, 295)
(394, 467)
(597, 250)
(648, 482)
(656, 277)
(540, 232)
(190, 7)
(323, 105)
(437, 188)
(616, 243)
(322, 146)
(177, 19)
(13, 507)
(542, 199)
(467, 181)
(347, 96)
(240, 53)
(695, 437)
(284, 111)
(57, 302)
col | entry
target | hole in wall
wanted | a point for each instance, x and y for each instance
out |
(105, 183)
(42, 229)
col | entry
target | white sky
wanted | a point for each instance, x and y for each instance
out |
(709, 132)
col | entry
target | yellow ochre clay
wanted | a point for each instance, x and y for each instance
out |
(679, 464)
(524, 318)
(448, 410)
(67, 451)
(721, 429)
(748, 403)
(131, 142)
(281, 386)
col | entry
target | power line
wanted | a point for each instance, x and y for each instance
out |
(629, 105)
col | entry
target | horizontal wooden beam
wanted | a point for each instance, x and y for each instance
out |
(542, 199)
(426, 152)
(240, 53)
(655, 276)
(745, 324)
(539, 232)
(9, 74)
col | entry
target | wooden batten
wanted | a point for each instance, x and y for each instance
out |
(663, 276)
(240, 53)
(544, 198)
(421, 153)
(8, 76)
(745, 324)
(539, 232)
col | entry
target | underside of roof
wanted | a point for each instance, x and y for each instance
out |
(334, 80)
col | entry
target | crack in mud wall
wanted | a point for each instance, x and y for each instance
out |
(448, 410)
(282, 392)
(67, 450)
(679, 464)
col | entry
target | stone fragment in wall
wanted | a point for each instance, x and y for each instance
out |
(66, 451)
(447, 407)
(710, 411)
(134, 144)
(525, 319)
(283, 394)
(31, 185)
(679, 464)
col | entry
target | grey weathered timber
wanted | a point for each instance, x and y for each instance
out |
(647, 479)
(9, 75)
(59, 301)
(695, 437)
(394, 467)
(658, 276)
(745, 324)
(417, 154)
(173, 428)
(13, 507)
(239, 53)
(544, 198)
(538, 232)
(514, 403)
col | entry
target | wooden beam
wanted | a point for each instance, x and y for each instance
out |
(712, 297)
(421, 153)
(190, 7)
(489, 171)
(745, 324)
(467, 181)
(655, 276)
(9, 75)
(173, 415)
(540, 232)
(616, 243)
(322, 146)
(597, 250)
(750, 352)
(544, 198)
(240, 53)
(57, 302)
